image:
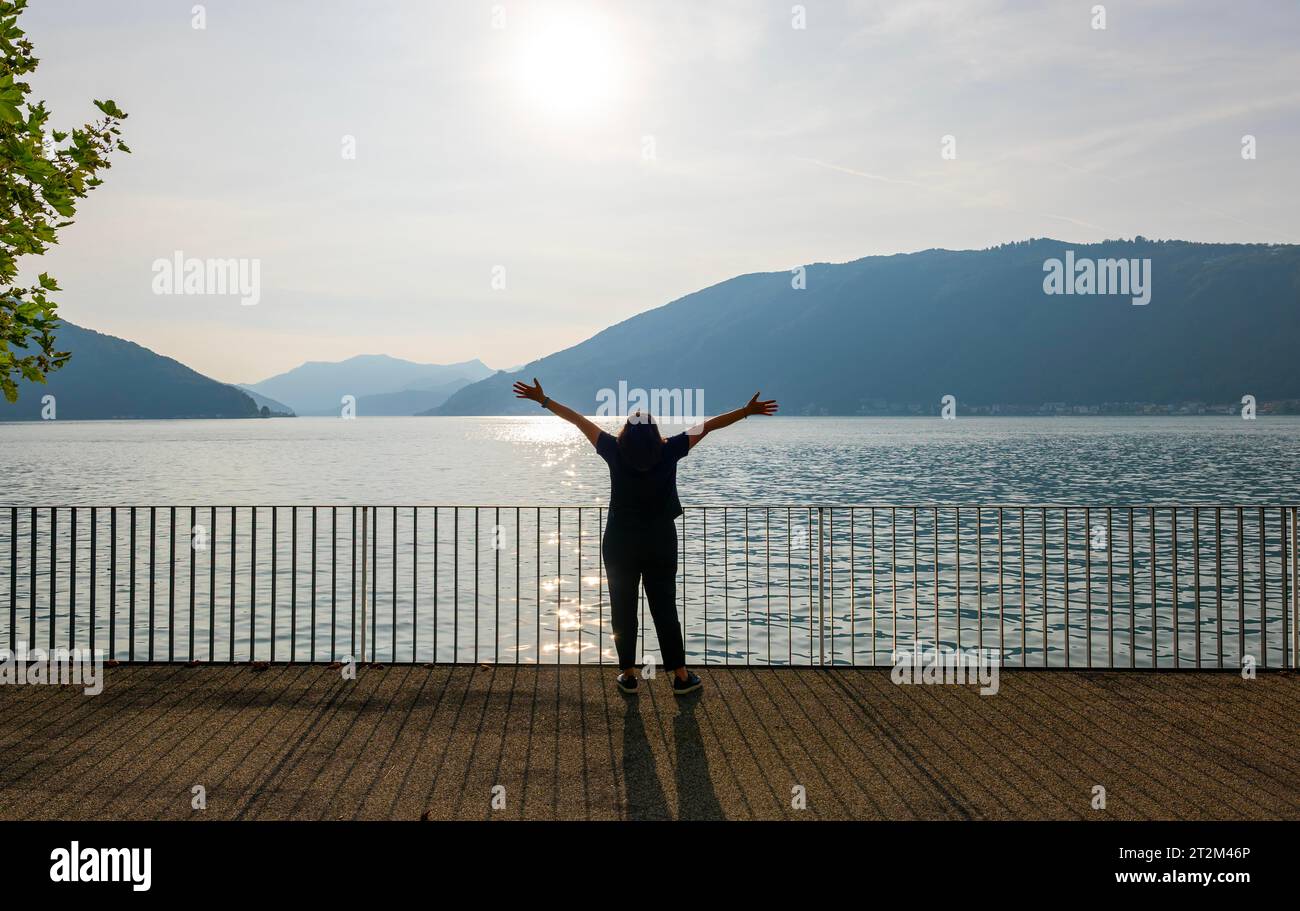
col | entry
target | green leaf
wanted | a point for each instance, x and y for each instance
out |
(109, 108)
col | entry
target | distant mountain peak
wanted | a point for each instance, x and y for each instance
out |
(317, 387)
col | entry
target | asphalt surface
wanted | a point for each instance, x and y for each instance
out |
(405, 742)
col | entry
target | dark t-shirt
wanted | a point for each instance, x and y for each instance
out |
(644, 494)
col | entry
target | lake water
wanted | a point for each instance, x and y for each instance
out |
(483, 539)
(542, 460)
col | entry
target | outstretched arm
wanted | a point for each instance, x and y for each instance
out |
(534, 393)
(753, 406)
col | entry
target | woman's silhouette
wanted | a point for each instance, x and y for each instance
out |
(640, 545)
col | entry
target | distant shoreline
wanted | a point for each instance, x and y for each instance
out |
(926, 417)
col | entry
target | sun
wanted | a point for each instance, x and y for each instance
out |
(571, 68)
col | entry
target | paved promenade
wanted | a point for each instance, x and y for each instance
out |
(403, 742)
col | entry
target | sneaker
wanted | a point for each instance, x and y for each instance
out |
(627, 683)
(689, 685)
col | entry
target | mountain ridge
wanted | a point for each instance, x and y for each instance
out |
(111, 378)
(894, 331)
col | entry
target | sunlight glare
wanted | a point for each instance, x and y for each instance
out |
(569, 68)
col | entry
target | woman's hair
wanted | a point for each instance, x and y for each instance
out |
(639, 442)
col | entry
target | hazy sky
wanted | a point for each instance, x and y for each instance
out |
(614, 156)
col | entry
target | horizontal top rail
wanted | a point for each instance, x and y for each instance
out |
(1273, 504)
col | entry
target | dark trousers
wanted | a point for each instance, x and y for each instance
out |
(636, 553)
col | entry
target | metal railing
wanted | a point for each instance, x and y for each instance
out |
(1049, 586)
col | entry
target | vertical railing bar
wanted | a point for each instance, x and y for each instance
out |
(455, 584)
(1286, 642)
(1024, 596)
(726, 591)
(936, 578)
(375, 601)
(872, 585)
(579, 578)
(351, 567)
(1196, 571)
(1218, 581)
(519, 591)
(789, 582)
(853, 595)
(683, 551)
(212, 582)
(1177, 599)
(365, 571)
(1241, 587)
(1042, 514)
(767, 584)
(705, 544)
(370, 598)
(1263, 590)
(1132, 594)
(72, 580)
(538, 567)
(1065, 554)
(415, 583)
(153, 561)
(812, 639)
(828, 579)
(496, 583)
(334, 583)
(194, 517)
(1295, 587)
(893, 572)
(31, 581)
(112, 582)
(94, 584)
(54, 562)
(916, 584)
(252, 586)
(392, 636)
(352, 582)
(293, 588)
(979, 576)
(559, 578)
(1002, 601)
(435, 585)
(275, 574)
(957, 566)
(1155, 620)
(374, 586)
(13, 579)
(233, 547)
(1087, 578)
(1110, 590)
(748, 593)
(130, 622)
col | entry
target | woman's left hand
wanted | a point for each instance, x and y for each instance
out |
(754, 406)
(533, 392)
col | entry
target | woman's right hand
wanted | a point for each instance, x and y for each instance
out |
(533, 392)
